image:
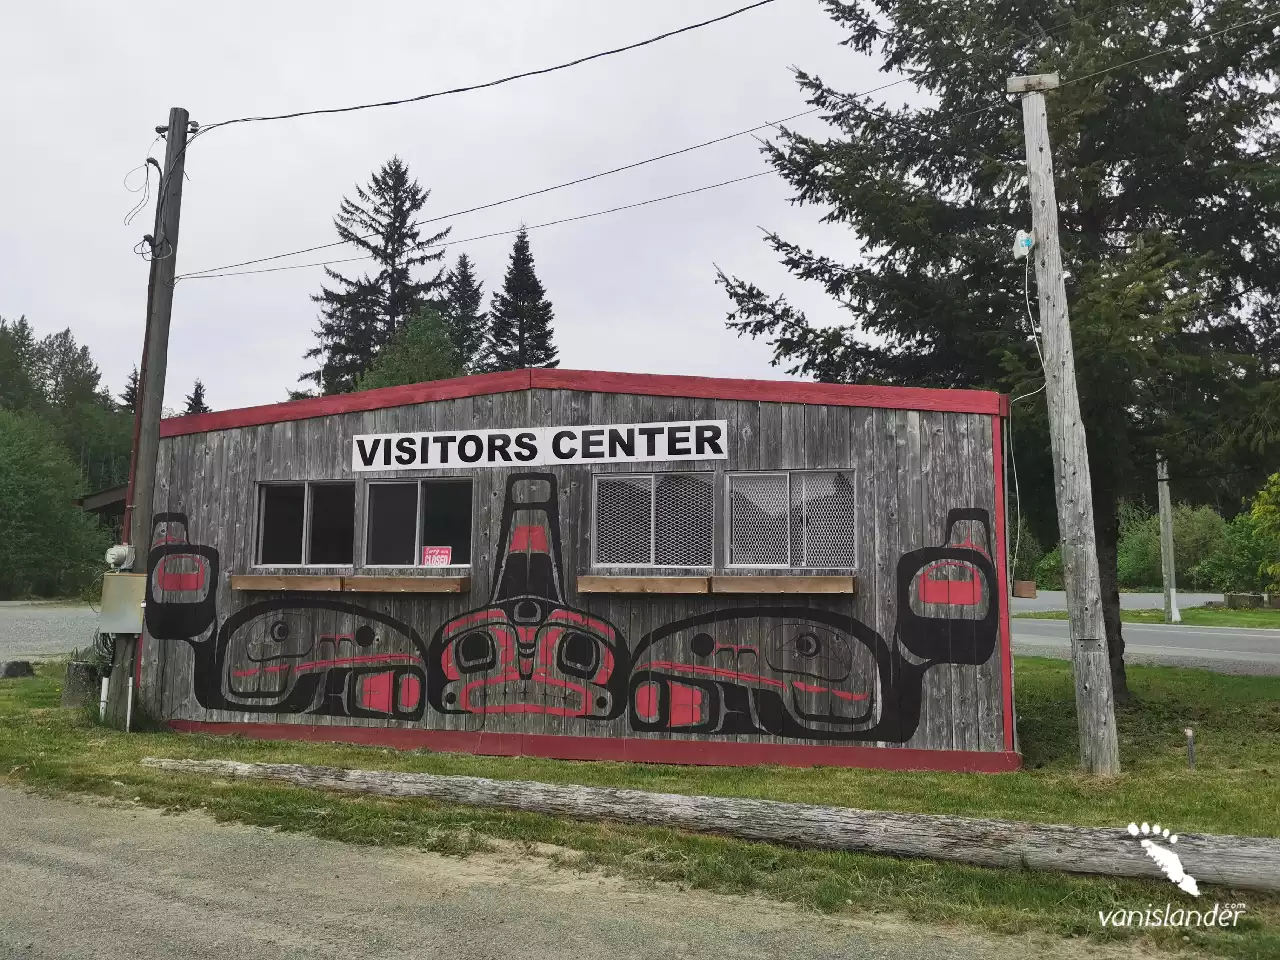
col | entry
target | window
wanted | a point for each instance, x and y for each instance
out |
(307, 523)
(665, 520)
(800, 519)
(419, 523)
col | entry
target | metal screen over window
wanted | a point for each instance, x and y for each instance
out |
(799, 519)
(655, 520)
(822, 520)
(758, 507)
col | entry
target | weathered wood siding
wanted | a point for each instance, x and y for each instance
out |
(937, 682)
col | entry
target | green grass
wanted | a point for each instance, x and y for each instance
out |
(1192, 616)
(1233, 790)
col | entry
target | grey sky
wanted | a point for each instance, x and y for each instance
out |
(86, 83)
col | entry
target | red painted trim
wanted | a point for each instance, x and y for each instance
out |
(628, 749)
(642, 384)
(1002, 574)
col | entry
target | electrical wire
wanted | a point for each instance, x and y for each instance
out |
(486, 236)
(501, 80)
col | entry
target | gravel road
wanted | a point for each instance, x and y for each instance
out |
(111, 883)
(37, 631)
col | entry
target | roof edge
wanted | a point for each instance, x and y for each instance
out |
(594, 381)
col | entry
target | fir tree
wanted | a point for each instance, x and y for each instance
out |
(520, 316)
(129, 396)
(467, 323)
(195, 400)
(421, 350)
(1165, 158)
(359, 317)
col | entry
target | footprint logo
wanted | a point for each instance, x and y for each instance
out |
(1164, 857)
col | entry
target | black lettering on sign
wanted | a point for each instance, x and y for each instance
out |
(526, 449)
(592, 444)
(707, 435)
(424, 450)
(405, 454)
(468, 444)
(555, 445)
(678, 441)
(650, 435)
(368, 454)
(618, 442)
(443, 443)
(386, 452)
(498, 444)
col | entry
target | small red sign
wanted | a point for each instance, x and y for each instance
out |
(437, 556)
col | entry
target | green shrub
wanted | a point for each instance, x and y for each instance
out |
(1049, 571)
(48, 545)
(1198, 534)
(1237, 565)
(1029, 551)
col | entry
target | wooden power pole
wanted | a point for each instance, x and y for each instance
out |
(1167, 571)
(149, 404)
(1095, 708)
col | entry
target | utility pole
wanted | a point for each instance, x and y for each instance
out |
(1095, 708)
(149, 405)
(1171, 614)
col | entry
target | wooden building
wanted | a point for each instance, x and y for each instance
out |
(592, 565)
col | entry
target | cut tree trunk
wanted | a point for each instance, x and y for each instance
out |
(1245, 862)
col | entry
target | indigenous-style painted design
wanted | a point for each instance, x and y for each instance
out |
(816, 674)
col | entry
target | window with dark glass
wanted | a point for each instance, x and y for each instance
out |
(282, 512)
(393, 522)
(446, 522)
(332, 534)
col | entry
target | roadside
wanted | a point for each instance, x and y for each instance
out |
(43, 629)
(1057, 600)
(110, 883)
(1231, 791)
(1191, 617)
(1227, 650)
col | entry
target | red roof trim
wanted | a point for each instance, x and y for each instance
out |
(643, 384)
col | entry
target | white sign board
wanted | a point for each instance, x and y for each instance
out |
(542, 446)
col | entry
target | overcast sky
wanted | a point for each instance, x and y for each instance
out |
(86, 84)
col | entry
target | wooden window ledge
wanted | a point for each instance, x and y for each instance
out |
(668, 585)
(783, 584)
(327, 584)
(744, 584)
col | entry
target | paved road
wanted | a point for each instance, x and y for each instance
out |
(1057, 600)
(35, 631)
(110, 883)
(1222, 649)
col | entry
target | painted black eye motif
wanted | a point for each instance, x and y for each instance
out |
(702, 645)
(578, 655)
(476, 651)
(808, 646)
(279, 631)
(364, 636)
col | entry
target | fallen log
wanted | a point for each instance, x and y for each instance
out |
(1244, 862)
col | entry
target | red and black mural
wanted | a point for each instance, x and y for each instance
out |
(809, 673)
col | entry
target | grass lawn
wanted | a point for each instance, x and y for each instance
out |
(1192, 616)
(1235, 789)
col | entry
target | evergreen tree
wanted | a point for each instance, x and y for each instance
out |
(1165, 157)
(358, 317)
(421, 350)
(20, 378)
(129, 396)
(467, 322)
(520, 316)
(195, 400)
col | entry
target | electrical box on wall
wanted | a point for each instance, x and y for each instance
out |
(123, 595)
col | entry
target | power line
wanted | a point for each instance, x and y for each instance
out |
(486, 236)
(502, 80)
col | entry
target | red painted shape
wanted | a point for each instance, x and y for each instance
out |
(180, 581)
(629, 749)
(1003, 576)
(842, 694)
(591, 381)
(529, 539)
(410, 692)
(713, 672)
(686, 704)
(960, 593)
(646, 701)
(347, 661)
(375, 692)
